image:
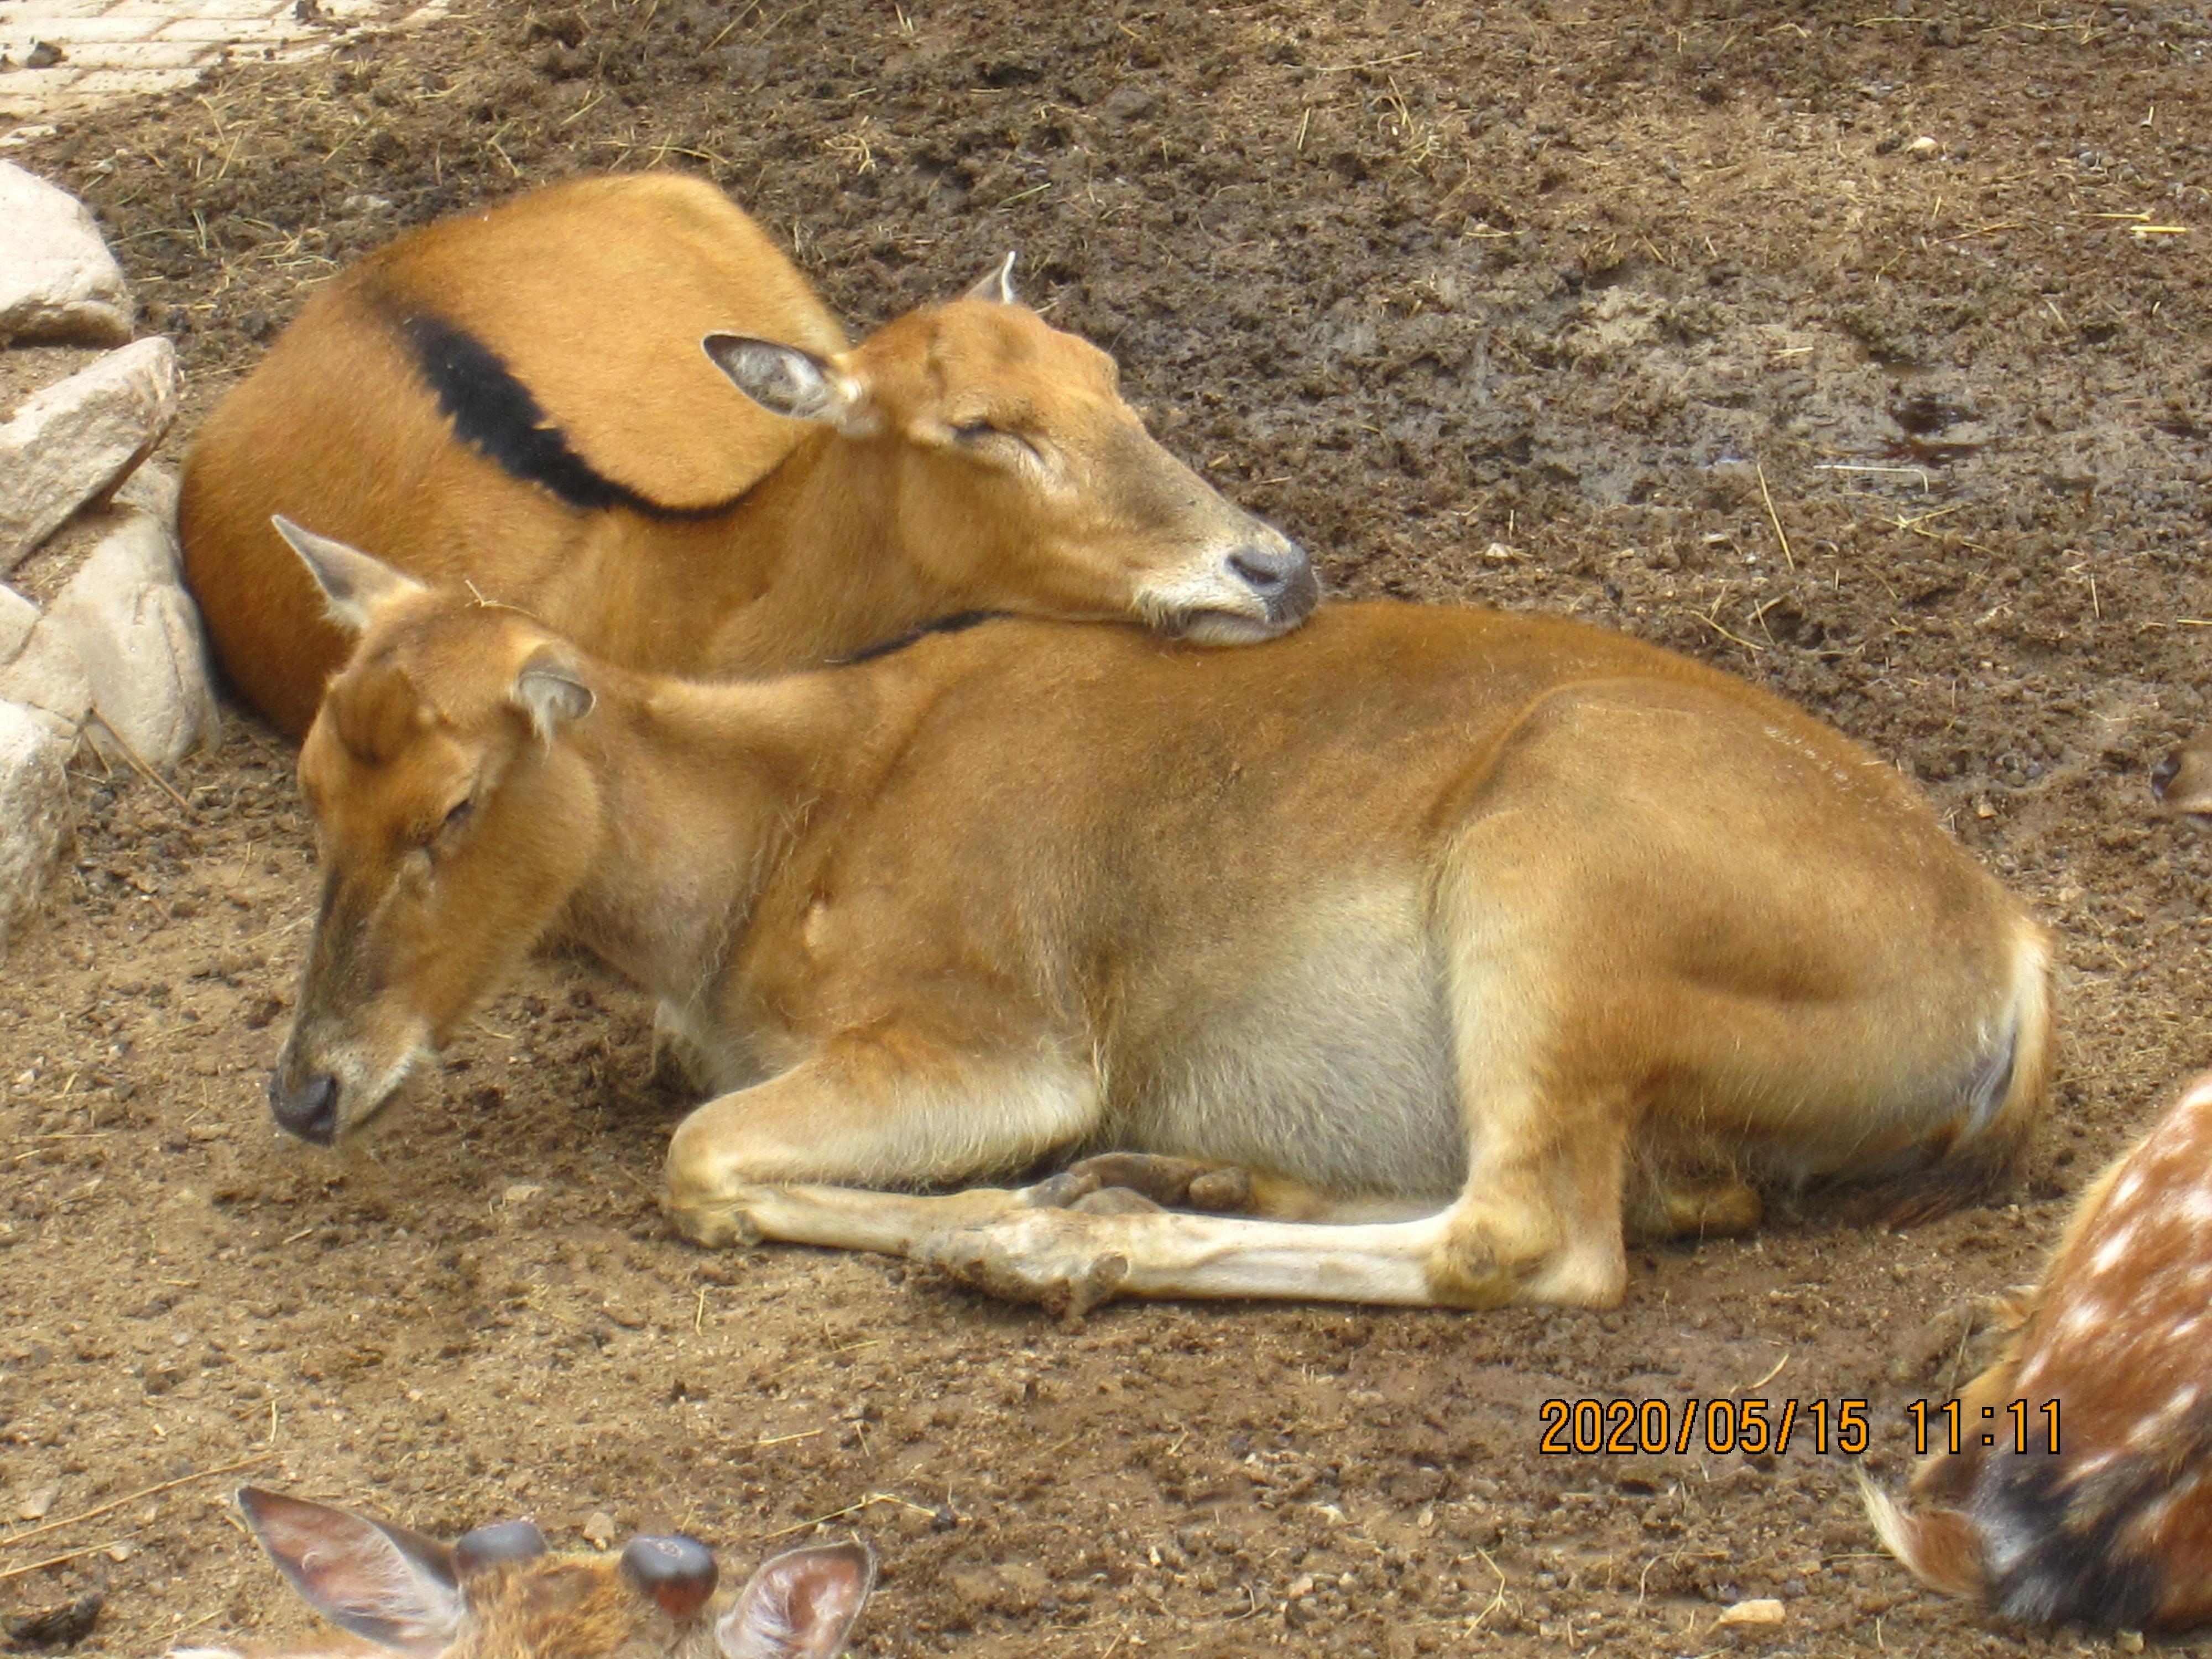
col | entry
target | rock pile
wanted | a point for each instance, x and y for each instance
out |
(114, 657)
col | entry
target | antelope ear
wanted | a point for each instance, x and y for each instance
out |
(996, 284)
(799, 1605)
(550, 687)
(391, 1586)
(786, 380)
(354, 584)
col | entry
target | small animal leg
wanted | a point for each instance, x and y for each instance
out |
(796, 1157)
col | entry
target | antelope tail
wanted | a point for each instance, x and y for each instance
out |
(1938, 1547)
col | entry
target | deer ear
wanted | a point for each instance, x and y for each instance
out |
(996, 284)
(799, 1605)
(550, 689)
(354, 584)
(786, 380)
(388, 1585)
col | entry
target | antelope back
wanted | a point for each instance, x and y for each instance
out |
(518, 400)
(641, 267)
(2093, 1498)
(500, 1593)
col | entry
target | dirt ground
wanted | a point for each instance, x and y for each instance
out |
(1575, 307)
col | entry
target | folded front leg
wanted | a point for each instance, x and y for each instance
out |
(799, 1157)
(1184, 1183)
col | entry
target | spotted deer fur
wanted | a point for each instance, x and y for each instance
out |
(2114, 1524)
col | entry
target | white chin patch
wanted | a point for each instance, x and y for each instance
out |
(1220, 627)
(1211, 607)
(379, 1092)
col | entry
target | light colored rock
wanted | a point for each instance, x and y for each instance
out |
(154, 490)
(38, 667)
(47, 678)
(57, 280)
(34, 812)
(127, 617)
(79, 438)
(1765, 1610)
(18, 616)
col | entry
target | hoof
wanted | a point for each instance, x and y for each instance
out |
(1226, 1191)
(1169, 1182)
(1055, 1266)
(718, 1226)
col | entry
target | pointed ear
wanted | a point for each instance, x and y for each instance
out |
(549, 689)
(799, 1605)
(996, 284)
(786, 380)
(354, 585)
(393, 1587)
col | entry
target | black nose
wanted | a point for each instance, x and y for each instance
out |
(1267, 571)
(1282, 574)
(2163, 775)
(309, 1111)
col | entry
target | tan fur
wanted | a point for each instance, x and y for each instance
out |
(2116, 1526)
(818, 540)
(1476, 931)
(2183, 780)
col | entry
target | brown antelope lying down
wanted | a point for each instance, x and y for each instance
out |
(517, 400)
(2111, 1359)
(497, 1593)
(1466, 931)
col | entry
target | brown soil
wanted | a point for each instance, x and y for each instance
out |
(1531, 305)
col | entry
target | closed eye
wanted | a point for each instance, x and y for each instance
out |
(987, 437)
(456, 818)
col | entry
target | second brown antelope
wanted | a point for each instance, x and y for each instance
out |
(517, 400)
(2080, 1485)
(500, 1593)
(1443, 941)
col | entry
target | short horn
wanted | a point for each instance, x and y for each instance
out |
(996, 284)
(677, 1572)
(509, 1541)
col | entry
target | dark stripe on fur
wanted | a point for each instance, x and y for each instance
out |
(495, 414)
(958, 624)
(2070, 1568)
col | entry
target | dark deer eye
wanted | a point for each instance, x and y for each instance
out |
(432, 842)
(974, 432)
